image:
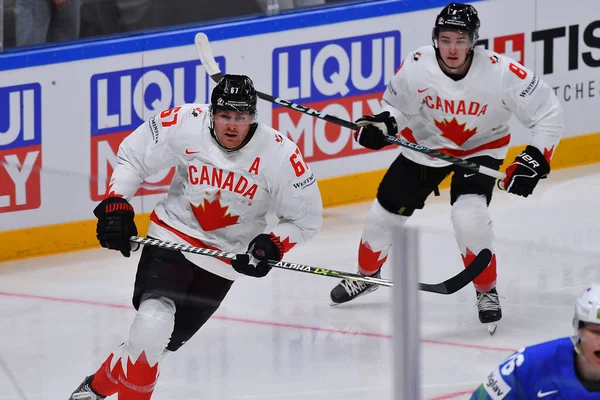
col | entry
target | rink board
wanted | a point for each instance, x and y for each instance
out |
(68, 108)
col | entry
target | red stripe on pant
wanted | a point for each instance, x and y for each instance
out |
(486, 281)
(137, 385)
(106, 381)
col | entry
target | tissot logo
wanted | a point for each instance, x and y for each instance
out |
(513, 45)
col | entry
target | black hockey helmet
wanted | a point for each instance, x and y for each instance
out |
(234, 92)
(459, 17)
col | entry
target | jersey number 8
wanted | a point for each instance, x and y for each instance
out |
(518, 71)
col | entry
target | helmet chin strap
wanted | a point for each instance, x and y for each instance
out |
(575, 340)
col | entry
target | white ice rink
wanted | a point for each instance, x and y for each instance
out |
(278, 337)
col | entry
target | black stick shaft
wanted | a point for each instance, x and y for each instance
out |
(275, 264)
(449, 286)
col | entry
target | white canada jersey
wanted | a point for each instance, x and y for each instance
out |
(219, 199)
(469, 117)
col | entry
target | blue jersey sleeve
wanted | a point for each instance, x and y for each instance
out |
(544, 370)
(506, 382)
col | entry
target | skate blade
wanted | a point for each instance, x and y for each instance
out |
(334, 304)
(492, 328)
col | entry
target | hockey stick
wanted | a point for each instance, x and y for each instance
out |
(11, 379)
(450, 286)
(212, 68)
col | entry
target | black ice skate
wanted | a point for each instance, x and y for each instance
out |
(348, 290)
(85, 391)
(488, 305)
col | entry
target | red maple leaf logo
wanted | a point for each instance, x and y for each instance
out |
(368, 260)
(286, 243)
(140, 375)
(212, 215)
(408, 134)
(454, 131)
(110, 192)
(468, 257)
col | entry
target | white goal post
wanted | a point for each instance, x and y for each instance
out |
(405, 314)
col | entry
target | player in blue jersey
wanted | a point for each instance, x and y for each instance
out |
(565, 368)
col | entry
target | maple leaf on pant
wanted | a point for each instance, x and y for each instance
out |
(139, 382)
(212, 215)
(369, 260)
(454, 131)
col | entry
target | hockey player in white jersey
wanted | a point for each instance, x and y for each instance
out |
(554, 370)
(457, 98)
(230, 173)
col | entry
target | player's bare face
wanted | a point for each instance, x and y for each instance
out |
(454, 48)
(590, 348)
(232, 127)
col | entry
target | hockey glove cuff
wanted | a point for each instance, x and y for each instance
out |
(374, 130)
(115, 224)
(526, 171)
(261, 249)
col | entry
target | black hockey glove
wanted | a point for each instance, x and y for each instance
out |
(115, 224)
(525, 172)
(254, 263)
(374, 129)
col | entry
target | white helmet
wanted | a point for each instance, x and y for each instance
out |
(587, 307)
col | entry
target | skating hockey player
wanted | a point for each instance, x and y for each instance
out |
(554, 370)
(457, 98)
(231, 171)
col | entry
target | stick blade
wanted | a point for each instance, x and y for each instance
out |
(206, 56)
(466, 276)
